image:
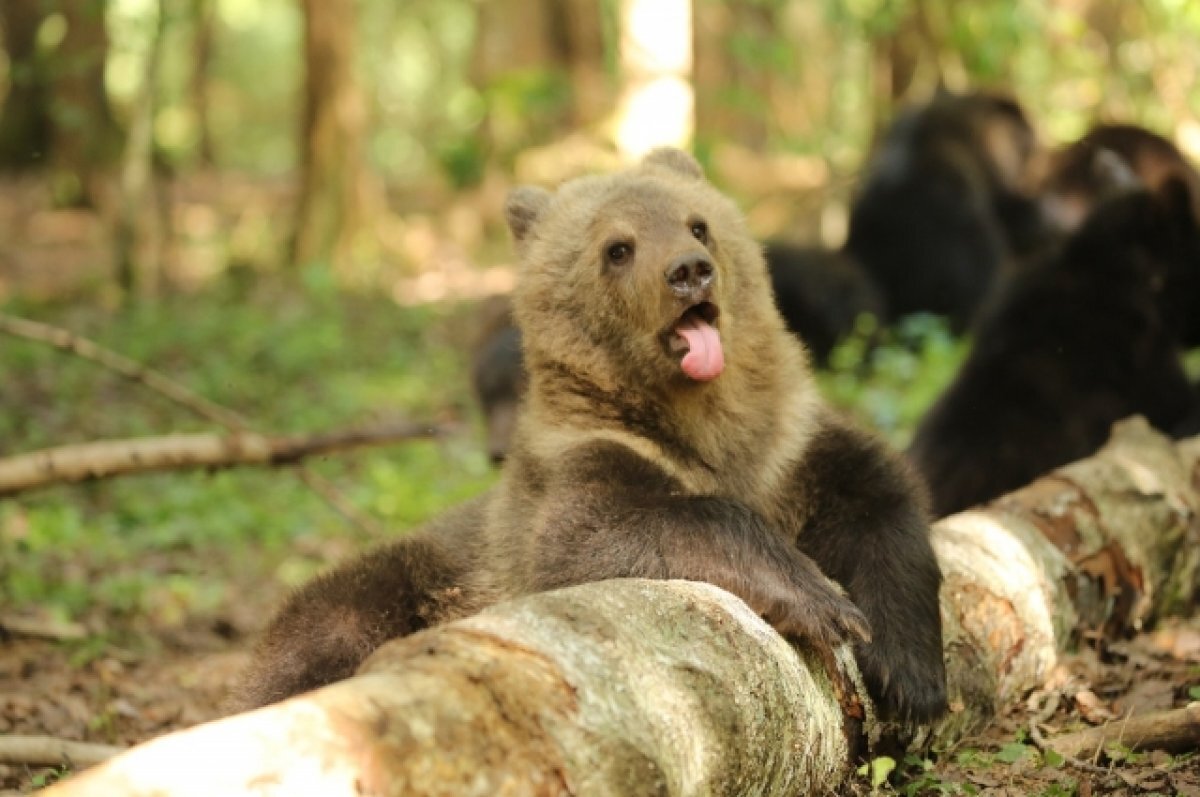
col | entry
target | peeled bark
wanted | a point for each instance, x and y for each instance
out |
(642, 687)
(1102, 545)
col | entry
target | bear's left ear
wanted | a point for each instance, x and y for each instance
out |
(522, 208)
(676, 160)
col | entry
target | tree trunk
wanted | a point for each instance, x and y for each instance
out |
(204, 26)
(583, 52)
(336, 193)
(85, 136)
(734, 86)
(538, 50)
(643, 687)
(25, 116)
(138, 233)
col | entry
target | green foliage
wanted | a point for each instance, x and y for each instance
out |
(888, 378)
(43, 779)
(973, 758)
(870, 17)
(1013, 752)
(463, 160)
(163, 546)
(918, 777)
(876, 770)
(1052, 759)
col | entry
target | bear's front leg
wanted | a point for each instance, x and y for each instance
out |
(616, 515)
(867, 528)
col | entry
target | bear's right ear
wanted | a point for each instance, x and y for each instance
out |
(1176, 197)
(676, 160)
(522, 208)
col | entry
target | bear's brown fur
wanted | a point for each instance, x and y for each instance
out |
(671, 430)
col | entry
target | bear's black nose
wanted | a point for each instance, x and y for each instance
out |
(691, 276)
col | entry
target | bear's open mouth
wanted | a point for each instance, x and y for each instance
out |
(695, 337)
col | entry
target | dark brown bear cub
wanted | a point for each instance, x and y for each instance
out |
(671, 430)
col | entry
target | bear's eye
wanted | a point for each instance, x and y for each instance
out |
(700, 231)
(618, 253)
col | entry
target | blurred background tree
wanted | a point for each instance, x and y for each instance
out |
(387, 132)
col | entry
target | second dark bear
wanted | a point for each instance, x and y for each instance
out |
(1109, 157)
(821, 293)
(1087, 337)
(943, 205)
(671, 429)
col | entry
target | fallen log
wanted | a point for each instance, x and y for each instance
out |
(623, 688)
(639, 687)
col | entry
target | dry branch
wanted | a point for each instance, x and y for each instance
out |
(107, 458)
(173, 391)
(48, 751)
(40, 628)
(635, 687)
(1175, 731)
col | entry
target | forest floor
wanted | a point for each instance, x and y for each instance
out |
(127, 606)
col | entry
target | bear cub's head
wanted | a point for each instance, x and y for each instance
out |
(645, 278)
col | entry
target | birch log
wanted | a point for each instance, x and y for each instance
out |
(672, 688)
(623, 688)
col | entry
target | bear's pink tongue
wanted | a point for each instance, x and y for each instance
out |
(705, 359)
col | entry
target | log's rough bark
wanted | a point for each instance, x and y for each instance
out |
(1100, 546)
(106, 458)
(619, 688)
(642, 687)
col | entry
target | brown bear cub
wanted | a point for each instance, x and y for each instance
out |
(671, 430)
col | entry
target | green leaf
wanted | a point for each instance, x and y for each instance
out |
(1194, 692)
(1052, 759)
(880, 768)
(1012, 752)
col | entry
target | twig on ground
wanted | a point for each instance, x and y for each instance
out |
(42, 629)
(118, 363)
(1041, 743)
(49, 751)
(1176, 730)
(339, 503)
